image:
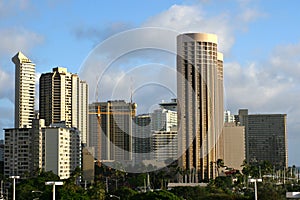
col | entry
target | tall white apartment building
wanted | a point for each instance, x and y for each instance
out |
(83, 111)
(64, 97)
(164, 143)
(24, 90)
(51, 148)
(163, 120)
(228, 117)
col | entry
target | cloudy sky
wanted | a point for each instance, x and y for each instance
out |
(260, 41)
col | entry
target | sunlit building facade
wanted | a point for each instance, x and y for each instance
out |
(24, 90)
(200, 103)
(63, 97)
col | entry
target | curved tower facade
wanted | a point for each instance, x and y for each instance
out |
(200, 104)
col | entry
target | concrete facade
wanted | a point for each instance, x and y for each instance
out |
(24, 90)
(111, 130)
(64, 97)
(164, 145)
(200, 103)
(18, 152)
(234, 145)
(62, 150)
(265, 137)
(141, 137)
(88, 164)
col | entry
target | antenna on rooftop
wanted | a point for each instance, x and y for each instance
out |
(97, 92)
(131, 89)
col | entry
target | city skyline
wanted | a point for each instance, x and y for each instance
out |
(260, 42)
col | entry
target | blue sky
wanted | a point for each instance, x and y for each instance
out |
(259, 39)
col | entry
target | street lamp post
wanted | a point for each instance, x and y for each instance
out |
(36, 191)
(54, 183)
(14, 185)
(111, 195)
(254, 180)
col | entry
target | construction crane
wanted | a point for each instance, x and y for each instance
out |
(98, 114)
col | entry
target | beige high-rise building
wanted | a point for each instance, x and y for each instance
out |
(64, 97)
(200, 103)
(24, 90)
(233, 143)
(88, 164)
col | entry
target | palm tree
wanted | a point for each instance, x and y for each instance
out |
(219, 163)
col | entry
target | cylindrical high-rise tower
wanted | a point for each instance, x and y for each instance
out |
(200, 104)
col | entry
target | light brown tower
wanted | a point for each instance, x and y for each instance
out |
(200, 104)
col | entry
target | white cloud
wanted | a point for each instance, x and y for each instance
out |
(194, 19)
(255, 87)
(7, 115)
(7, 8)
(250, 15)
(270, 86)
(18, 39)
(178, 19)
(12, 40)
(6, 85)
(97, 34)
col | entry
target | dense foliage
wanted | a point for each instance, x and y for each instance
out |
(113, 184)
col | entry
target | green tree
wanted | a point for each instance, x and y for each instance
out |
(190, 193)
(125, 192)
(219, 163)
(71, 190)
(221, 184)
(137, 180)
(268, 191)
(97, 191)
(31, 188)
(157, 195)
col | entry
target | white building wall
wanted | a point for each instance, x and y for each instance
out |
(163, 120)
(24, 90)
(83, 111)
(164, 145)
(62, 151)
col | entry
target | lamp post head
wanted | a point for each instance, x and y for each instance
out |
(54, 183)
(255, 180)
(111, 195)
(15, 177)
